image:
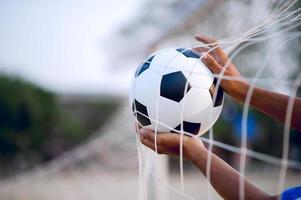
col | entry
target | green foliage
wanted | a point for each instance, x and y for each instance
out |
(33, 126)
(27, 115)
(36, 127)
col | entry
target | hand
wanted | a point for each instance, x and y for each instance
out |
(169, 143)
(219, 63)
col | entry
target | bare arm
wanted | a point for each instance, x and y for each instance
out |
(270, 103)
(274, 105)
(224, 178)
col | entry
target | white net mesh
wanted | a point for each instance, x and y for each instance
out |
(89, 171)
(277, 28)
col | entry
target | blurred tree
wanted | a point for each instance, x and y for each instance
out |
(36, 127)
(24, 110)
(27, 116)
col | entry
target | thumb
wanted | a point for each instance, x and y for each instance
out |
(211, 63)
(147, 133)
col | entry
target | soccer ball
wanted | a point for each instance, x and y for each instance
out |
(173, 91)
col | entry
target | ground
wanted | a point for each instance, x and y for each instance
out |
(95, 184)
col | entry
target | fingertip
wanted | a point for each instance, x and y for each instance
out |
(197, 36)
(145, 131)
(142, 131)
(203, 55)
(209, 61)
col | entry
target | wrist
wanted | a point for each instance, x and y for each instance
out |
(194, 150)
(240, 91)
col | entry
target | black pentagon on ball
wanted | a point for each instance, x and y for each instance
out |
(143, 66)
(173, 86)
(188, 53)
(140, 111)
(189, 127)
(219, 93)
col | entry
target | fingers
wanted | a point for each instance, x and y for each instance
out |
(206, 40)
(212, 64)
(216, 51)
(201, 49)
(147, 137)
(147, 133)
(147, 142)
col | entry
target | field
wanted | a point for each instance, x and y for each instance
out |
(95, 184)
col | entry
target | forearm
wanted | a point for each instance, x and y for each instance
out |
(224, 178)
(272, 104)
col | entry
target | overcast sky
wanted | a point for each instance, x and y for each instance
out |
(57, 44)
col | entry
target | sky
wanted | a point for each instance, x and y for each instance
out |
(58, 44)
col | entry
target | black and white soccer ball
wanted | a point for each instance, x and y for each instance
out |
(173, 91)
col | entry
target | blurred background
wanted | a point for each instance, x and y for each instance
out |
(66, 129)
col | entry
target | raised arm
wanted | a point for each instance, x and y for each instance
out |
(224, 178)
(270, 103)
